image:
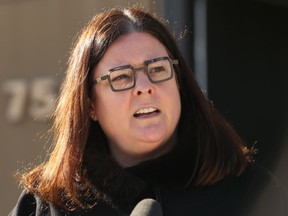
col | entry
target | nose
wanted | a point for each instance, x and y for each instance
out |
(143, 84)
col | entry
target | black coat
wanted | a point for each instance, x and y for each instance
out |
(256, 192)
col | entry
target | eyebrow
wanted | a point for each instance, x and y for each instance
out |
(150, 60)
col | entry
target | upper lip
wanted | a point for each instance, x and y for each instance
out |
(145, 110)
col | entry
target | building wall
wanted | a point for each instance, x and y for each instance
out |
(36, 38)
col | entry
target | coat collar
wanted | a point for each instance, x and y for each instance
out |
(126, 186)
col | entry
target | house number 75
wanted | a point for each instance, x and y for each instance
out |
(35, 98)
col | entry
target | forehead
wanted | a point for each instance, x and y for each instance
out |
(132, 49)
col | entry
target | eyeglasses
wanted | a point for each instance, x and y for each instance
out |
(123, 77)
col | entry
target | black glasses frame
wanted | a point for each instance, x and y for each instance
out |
(134, 70)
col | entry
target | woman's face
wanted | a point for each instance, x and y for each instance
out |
(132, 137)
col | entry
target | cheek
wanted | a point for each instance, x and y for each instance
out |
(173, 92)
(109, 105)
(173, 97)
(101, 103)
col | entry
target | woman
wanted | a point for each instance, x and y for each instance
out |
(131, 125)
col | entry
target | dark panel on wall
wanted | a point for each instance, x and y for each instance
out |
(180, 16)
(248, 72)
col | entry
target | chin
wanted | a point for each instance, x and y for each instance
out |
(157, 150)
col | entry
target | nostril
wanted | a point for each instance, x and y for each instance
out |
(140, 92)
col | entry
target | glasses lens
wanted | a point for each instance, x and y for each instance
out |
(122, 79)
(160, 70)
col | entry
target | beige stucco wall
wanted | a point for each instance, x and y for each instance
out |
(35, 39)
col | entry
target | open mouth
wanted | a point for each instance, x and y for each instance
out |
(146, 112)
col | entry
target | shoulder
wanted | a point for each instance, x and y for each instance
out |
(29, 204)
(256, 192)
(261, 181)
(269, 194)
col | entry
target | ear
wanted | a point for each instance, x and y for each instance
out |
(92, 110)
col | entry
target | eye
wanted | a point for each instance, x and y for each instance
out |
(157, 69)
(121, 77)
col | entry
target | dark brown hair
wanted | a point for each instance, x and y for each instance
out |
(220, 151)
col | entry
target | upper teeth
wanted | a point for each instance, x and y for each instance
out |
(145, 110)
